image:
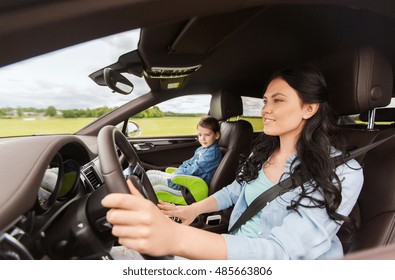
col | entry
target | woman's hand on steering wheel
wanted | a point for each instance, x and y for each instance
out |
(139, 224)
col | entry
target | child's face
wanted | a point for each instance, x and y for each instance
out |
(206, 136)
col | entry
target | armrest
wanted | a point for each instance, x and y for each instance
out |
(170, 170)
(196, 186)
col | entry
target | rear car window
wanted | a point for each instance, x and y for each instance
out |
(252, 107)
(175, 117)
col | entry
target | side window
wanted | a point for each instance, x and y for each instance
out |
(252, 112)
(384, 116)
(176, 117)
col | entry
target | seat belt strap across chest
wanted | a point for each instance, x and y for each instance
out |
(264, 198)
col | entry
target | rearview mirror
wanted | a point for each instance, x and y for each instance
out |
(117, 82)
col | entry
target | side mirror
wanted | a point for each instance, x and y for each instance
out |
(133, 129)
(117, 82)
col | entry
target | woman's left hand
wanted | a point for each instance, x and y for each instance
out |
(185, 213)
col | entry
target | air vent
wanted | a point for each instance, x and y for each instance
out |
(92, 177)
(170, 72)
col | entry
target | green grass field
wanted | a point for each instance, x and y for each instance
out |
(178, 126)
(166, 126)
(19, 126)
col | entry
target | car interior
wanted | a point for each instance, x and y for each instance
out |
(226, 50)
(365, 75)
(235, 140)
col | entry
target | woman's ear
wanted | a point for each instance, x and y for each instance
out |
(310, 110)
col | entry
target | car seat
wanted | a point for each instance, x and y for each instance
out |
(236, 137)
(359, 80)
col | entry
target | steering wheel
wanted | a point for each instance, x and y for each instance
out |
(109, 139)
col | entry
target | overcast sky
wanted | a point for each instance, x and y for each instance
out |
(55, 78)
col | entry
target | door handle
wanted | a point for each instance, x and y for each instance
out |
(143, 146)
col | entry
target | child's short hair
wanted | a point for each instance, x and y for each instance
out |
(210, 123)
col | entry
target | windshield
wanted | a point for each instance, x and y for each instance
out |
(53, 94)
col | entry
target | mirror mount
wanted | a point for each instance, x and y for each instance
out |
(117, 82)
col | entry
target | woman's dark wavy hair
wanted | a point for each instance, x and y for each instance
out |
(313, 147)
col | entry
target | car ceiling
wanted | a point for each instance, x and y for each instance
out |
(237, 44)
(239, 50)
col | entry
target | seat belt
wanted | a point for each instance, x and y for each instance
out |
(264, 198)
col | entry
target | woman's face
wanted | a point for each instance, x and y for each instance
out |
(283, 112)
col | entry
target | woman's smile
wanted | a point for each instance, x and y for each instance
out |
(267, 121)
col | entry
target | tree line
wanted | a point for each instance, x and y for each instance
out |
(51, 111)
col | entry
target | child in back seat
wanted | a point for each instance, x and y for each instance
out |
(204, 161)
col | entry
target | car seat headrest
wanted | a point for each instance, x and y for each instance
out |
(358, 79)
(225, 105)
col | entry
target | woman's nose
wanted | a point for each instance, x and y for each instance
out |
(266, 110)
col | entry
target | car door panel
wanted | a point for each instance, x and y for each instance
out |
(159, 153)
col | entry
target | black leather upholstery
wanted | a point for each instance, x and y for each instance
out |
(225, 105)
(360, 79)
(376, 202)
(236, 137)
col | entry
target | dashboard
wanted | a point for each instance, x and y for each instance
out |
(50, 203)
